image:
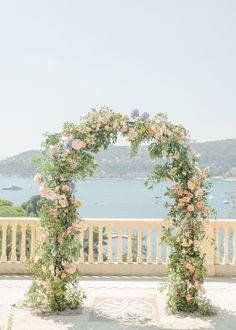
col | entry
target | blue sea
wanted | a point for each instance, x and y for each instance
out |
(110, 198)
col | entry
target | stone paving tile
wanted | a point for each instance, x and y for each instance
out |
(119, 303)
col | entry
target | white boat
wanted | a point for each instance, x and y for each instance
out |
(12, 187)
(226, 202)
(211, 197)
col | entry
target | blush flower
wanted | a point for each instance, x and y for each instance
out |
(44, 192)
(188, 297)
(132, 135)
(195, 277)
(199, 205)
(38, 179)
(70, 268)
(63, 201)
(190, 208)
(44, 238)
(78, 144)
(65, 188)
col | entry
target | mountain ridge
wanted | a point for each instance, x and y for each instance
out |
(219, 156)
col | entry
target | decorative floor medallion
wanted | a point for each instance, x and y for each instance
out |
(125, 310)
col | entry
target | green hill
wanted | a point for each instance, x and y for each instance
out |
(219, 156)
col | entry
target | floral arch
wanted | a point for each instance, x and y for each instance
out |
(69, 156)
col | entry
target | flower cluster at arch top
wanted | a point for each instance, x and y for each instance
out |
(69, 156)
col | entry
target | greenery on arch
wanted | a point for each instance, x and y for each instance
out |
(69, 155)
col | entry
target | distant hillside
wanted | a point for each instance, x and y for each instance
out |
(20, 165)
(219, 156)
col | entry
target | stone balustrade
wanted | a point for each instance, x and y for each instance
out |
(118, 246)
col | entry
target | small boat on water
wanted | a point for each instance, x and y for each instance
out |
(226, 202)
(12, 187)
(211, 197)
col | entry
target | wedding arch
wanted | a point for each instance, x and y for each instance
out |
(69, 155)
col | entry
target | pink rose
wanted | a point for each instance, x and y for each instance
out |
(54, 212)
(175, 187)
(195, 277)
(199, 287)
(38, 179)
(44, 192)
(205, 212)
(188, 297)
(190, 267)
(70, 268)
(78, 144)
(190, 208)
(63, 201)
(199, 205)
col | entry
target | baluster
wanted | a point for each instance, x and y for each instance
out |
(129, 249)
(13, 245)
(22, 249)
(217, 259)
(81, 241)
(149, 244)
(90, 256)
(100, 247)
(119, 255)
(32, 244)
(234, 245)
(109, 243)
(139, 239)
(4, 243)
(226, 251)
(159, 254)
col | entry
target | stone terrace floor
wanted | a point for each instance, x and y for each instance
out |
(117, 303)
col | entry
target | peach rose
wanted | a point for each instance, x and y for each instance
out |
(192, 183)
(132, 135)
(78, 144)
(190, 208)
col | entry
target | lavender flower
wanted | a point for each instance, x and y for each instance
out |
(72, 186)
(135, 113)
(145, 116)
(68, 144)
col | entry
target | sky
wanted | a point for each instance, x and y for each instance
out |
(60, 58)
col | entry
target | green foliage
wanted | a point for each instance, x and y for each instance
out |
(8, 210)
(5, 203)
(33, 206)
